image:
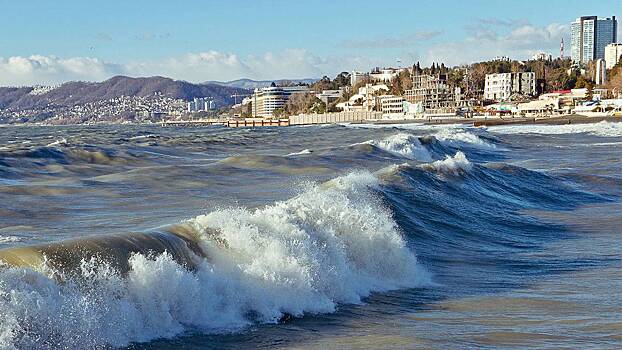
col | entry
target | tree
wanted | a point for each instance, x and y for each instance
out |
(278, 112)
(615, 79)
(396, 87)
(590, 91)
(417, 69)
(443, 69)
(342, 79)
(248, 112)
(455, 77)
(581, 83)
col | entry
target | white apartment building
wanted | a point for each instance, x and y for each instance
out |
(589, 37)
(201, 104)
(266, 100)
(385, 75)
(391, 104)
(613, 52)
(500, 86)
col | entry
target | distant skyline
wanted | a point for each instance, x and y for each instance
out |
(50, 42)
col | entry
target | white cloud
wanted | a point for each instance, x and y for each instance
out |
(194, 67)
(484, 39)
(39, 69)
(518, 40)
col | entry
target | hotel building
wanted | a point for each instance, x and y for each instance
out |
(266, 100)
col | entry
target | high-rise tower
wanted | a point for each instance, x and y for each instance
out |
(590, 35)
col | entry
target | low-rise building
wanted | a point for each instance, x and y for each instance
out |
(613, 53)
(385, 75)
(329, 96)
(501, 86)
(266, 100)
(391, 104)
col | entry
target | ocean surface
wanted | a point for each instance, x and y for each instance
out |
(320, 237)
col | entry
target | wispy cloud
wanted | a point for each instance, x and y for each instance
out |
(392, 42)
(38, 69)
(146, 36)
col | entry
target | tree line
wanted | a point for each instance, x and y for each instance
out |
(551, 75)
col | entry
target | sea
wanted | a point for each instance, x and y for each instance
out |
(354, 236)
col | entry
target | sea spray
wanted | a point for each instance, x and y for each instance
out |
(333, 243)
(451, 165)
(453, 136)
(403, 145)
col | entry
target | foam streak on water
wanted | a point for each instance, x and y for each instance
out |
(603, 129)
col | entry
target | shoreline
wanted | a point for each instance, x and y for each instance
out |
(496, 121)
(476, 122)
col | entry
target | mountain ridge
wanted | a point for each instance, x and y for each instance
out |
(78, 92)
(251, 84)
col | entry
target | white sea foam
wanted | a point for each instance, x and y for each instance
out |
(140, 137)
(452, 165)
(334, 243)
(457, 136)
(9, 239)
(60, 142)
(604, 129)
(404, 145)
(409, 126)
(304, 151)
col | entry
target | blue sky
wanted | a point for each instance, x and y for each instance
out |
(50, 42)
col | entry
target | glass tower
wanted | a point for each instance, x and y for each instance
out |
(590, 35)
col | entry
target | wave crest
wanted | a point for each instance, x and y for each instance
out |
(333, 243)
(455, 136)
(403, 145)
(455, 165)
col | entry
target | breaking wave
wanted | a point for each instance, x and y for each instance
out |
(403, 145)
(457, 137)
(303, 152)
(333, 243)
(452, 165)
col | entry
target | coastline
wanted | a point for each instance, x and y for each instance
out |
(494, 121)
